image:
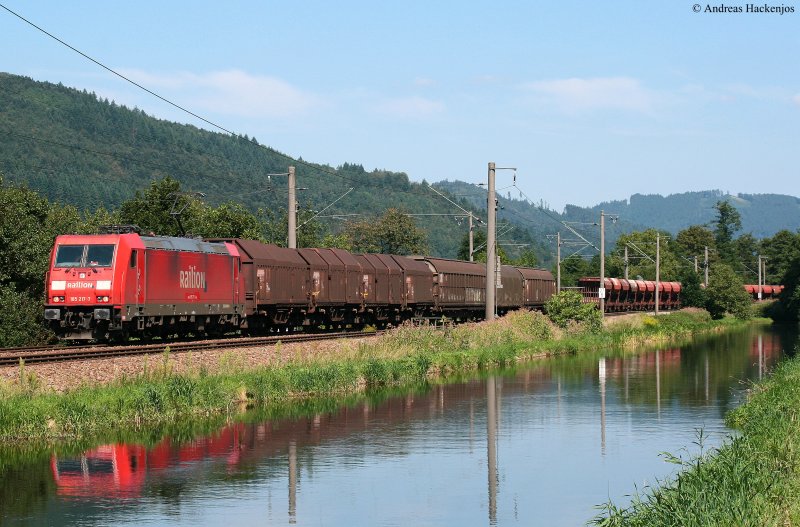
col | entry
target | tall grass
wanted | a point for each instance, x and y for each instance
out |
(407, 355)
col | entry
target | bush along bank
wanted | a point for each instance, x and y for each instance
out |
(752, 480)
(407, 355)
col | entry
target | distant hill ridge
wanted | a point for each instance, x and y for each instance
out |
(76, 148)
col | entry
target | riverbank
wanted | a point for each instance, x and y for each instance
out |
(111, 395)
(752, 480)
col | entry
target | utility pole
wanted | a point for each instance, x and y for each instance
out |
(558, 259)
(601, 292)
(706, 266)
(658, 268)
(626, 262)
(292, 237)
(695, 264)
(759, 277)
(491, 260)
(471, 243)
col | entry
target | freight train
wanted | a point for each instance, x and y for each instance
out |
(108, 287)
(640, 295)
(632, 295)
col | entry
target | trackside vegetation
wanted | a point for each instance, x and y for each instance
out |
(406, 356)
(752, 480)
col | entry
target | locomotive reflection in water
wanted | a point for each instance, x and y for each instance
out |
(112, 286)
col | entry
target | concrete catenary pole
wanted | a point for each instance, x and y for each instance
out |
(602, 290)
(626, 262)
(471, 239)
(759, 277)
(292, 238)
(705, 280)
(558, 259)
(658, 269)
(491, 258)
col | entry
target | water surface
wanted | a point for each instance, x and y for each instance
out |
(540, 445)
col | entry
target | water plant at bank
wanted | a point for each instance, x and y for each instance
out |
(407, 355)
(752, 480)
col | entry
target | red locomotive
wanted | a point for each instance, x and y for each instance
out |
(112, 286)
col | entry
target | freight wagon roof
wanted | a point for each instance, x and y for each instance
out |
(269, 254)
(443, 265)
(332, 260)
(509, 271)
(530, 273)
(387, 261)
(313, 258)
(412, 265)
(347, 258)
(366, 264)
(183, 244)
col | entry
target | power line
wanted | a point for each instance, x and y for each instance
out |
(164, 99)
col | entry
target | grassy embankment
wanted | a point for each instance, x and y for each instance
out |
(752, 480)
(405, 356)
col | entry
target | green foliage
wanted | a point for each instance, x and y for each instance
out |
(526, 259)
(787, 309)
(20, 323)
(728, 222)
(693, 240)
(479, 249)
(639, 265)
(310, 232)
(780, 251)
(726, 294)
(572, 269)
(229, 220)
(478, 240)
(567, 307)
(692, 294)
(393, 233)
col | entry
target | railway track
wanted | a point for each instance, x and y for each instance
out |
(44, 354)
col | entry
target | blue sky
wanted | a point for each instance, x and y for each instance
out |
(591, 101)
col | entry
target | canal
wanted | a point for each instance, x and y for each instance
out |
(538, 445)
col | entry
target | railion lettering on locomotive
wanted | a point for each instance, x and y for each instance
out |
(192, 279)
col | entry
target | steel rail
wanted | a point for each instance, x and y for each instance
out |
(44, 355)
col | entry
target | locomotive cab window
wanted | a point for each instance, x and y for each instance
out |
(133, 259)
(84, 256)
(69, 256)
(99, 255)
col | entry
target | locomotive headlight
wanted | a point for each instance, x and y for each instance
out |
(55, 300)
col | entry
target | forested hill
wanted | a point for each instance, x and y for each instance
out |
(77, 149)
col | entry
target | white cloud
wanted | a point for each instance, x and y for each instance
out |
(424, 82)
(576, 95)
(233, 92)
(410, 107)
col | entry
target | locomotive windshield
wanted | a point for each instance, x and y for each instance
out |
(84, 256)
